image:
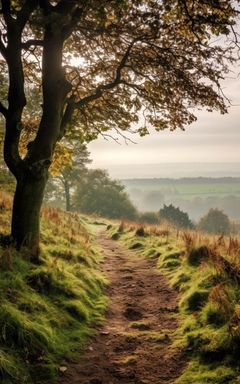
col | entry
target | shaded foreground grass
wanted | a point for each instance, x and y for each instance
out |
(46, 310)
(206, 273)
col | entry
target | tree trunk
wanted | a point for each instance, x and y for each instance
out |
(67, 196)
(26, 213)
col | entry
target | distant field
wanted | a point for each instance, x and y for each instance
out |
(193, 195)
(187, 188)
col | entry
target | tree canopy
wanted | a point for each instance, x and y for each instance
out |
(175, 216)
(152, 55)
(215, 221)
(97, 193)
(99, 65)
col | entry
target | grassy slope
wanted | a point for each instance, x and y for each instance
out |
(46, 310)
(206, 272)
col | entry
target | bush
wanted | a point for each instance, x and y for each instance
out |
(197, 255)
(215, 221)
(175, 216)
(140, 232)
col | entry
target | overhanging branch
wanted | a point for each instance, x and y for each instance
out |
(106, 87)
(34, 42)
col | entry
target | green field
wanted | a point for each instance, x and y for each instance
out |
(193, 195)
(187, 188)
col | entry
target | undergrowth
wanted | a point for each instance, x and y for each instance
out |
(206, 272)
(47, 311)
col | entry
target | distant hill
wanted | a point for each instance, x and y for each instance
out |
(185, 180)
(172, 170)
(193, 195)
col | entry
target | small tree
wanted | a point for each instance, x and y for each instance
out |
(97, 193)
(215, 221)
(63, 181)
(175, 216)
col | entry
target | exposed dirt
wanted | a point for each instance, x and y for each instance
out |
(134, 345)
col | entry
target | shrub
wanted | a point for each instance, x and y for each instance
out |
(140, 232)
(197, 299)
(215, 221)
(175, 216)
(116, 236)
(197, 255)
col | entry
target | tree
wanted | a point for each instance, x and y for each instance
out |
(64, 179)
(215, 221)
(97, 194)
(175, 216)
(99, 64)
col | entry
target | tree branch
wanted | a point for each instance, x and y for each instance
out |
(6, 6)
(35, 42)
(68, 29)
(67, 117)
(27, 9)
(6, 11)
(118, 80)
(46, 6)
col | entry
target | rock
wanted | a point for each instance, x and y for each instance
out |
(62, 369)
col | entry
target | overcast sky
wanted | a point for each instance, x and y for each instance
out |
(214, 138)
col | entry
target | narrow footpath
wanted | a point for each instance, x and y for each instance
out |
(134, 345)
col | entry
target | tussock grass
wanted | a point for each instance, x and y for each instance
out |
(206, 272)
(47, 311)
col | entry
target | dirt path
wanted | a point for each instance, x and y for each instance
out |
(134, 344)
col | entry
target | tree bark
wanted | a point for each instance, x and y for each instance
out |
(26, 213)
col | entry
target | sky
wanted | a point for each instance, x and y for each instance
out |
(214, 138)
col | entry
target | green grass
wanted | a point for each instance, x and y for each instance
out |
(48, 311)
(209, 312)
(186, 189)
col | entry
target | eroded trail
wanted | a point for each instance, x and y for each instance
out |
(134, 345)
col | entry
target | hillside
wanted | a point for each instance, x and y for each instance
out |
(47, 310)
(172, 301)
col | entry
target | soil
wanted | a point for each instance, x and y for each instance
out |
(134, 346)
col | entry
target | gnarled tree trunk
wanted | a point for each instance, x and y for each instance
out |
(26, 212)
(31, 171)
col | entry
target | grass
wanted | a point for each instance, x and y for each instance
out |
(47, 312)
(187, 188)
(206, 272)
